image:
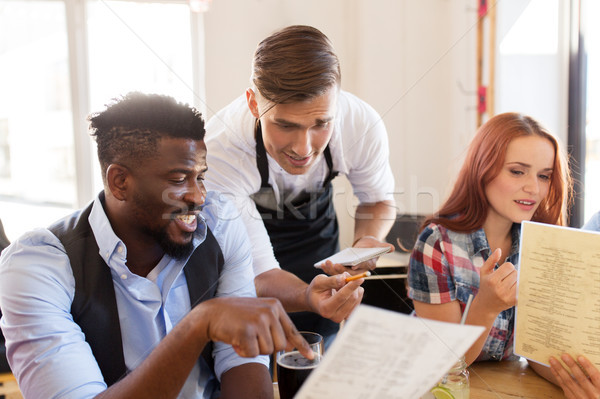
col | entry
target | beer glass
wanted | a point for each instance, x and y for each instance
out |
(293, 368)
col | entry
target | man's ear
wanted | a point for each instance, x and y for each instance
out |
(252, 103)
(117, 179)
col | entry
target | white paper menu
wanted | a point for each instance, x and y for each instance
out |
(558, 293)
(384, 354)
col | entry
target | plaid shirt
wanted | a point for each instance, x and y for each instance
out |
(444, 266)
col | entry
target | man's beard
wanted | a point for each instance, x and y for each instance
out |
(173, 249)
(144, 211)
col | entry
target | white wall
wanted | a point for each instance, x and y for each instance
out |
(414, 61)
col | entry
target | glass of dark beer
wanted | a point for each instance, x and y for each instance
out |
(293, 368)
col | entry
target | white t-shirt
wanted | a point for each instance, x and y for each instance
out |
(358, 145)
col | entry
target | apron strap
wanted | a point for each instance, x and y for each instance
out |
(332, 173)
(262, 162)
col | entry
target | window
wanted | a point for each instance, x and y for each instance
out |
(584, 105)
(592, 122)
(131, 53)
(36, 134)
(55, 70)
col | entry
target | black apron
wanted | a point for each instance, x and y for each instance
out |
(302, 232)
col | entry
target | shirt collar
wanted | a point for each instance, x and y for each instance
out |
(480, 242)
(516, 236)
(109, 243)
(107, 240)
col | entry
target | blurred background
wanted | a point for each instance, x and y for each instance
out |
(433, 69)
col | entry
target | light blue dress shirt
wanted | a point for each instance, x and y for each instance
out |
(47, 350)
(593, 223)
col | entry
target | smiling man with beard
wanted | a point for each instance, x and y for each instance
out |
(148, 291)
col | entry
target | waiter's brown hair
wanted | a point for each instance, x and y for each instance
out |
(295, 64)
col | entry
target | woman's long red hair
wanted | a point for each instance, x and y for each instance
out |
(466, 208)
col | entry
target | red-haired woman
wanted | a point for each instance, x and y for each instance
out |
(514, 171)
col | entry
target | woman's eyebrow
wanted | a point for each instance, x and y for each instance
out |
(526, 165)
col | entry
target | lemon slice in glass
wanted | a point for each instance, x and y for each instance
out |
(442, 393)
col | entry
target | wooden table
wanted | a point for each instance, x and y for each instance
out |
(508, 380)
(504, 380)
(8, 387)
(393, 260)
(489, 380)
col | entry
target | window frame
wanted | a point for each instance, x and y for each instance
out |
(76, 18)
(577, 112)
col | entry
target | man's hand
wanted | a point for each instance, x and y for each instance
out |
(580, 381)
(333, 298)
(335, 268)
(497, 288)
(253, 326)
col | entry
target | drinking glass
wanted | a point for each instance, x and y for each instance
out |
(293, 368)
(455, 384)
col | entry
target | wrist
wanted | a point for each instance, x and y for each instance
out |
(481, 313)
(197, 323)
(361, 237)
(203, 316)
(309, 305)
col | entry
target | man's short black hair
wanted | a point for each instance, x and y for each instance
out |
(128, 131)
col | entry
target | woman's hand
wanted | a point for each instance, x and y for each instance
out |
(580, 380)
(497, 288)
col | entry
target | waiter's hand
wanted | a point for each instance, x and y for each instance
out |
(335, 268)
(333, 298)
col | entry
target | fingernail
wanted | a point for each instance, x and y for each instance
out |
(311, 354)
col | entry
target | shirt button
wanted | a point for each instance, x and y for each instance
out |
(123, 277)
(120, 249)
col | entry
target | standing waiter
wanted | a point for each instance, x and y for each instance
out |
(275, 151)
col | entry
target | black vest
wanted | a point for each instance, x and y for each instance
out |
(301, 233)
(94, 306)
